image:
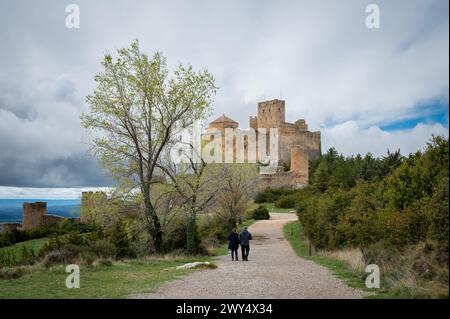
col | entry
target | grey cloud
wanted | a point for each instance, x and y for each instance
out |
(78, 170)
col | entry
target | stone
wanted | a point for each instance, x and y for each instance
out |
(194, 265)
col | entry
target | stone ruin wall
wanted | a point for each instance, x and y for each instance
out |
(33, 215)
(277, 180)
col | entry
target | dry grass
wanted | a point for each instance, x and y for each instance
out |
(352, 256)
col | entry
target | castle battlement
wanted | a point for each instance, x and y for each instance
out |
(296, 144)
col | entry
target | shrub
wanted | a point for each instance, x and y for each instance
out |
(103, 249)
(87, 258)
(8, 258)
(261, 213)
(122, 242)
(59, 257)
(285, 201)
(104, 262)
(13, 273)
(27, 256)
(381, 253)
(270, 195)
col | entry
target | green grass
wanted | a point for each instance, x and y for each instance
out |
(35, 244)
(294, 233)
(120, 280)
(117, 281)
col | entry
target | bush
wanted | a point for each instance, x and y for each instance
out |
(120, 239)
(270, 195)
(103, 249)
(27, 256)
(104, 262)
(285, 201)
(59, 257)
(64, 227)
(13, 273)
(87, 258)
(381, 253)
(8, 258)
(261, 213)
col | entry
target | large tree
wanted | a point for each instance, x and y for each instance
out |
(138, 110)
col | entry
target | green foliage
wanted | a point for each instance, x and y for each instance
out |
(119, 238)
(8, 258)
(285, 201)
(103, 249)
(14, 236)
(358, 202)
(270, 195)
(139, 107)
(59, 257)
(261, 212)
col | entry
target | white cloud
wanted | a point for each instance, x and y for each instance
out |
(47, 193)
(350, 136)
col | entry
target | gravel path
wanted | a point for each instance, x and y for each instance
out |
(273, 271)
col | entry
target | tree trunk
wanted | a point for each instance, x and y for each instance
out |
(158, 237)
(155, 231)
(191, 234)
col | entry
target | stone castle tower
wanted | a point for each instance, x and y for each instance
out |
(271, 114)
(296, 145)
(33, 214)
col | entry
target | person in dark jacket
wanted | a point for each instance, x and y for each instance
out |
(233, 243)
(244, 239)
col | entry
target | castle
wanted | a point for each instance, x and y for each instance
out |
(34, 215)
(295, 145)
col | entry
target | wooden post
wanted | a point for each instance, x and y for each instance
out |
(309, 247)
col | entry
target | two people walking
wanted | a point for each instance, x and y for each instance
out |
(235, 239)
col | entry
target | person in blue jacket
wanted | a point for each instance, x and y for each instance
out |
(244, 239)
(233, 243)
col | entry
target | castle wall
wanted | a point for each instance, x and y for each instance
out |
(50, 220)
(32, 214)
(277, 180)
(311, 140)
(299, 160)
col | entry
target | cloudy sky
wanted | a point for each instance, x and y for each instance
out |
(365, 89)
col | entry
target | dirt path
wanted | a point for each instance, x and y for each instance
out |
(273, 271)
